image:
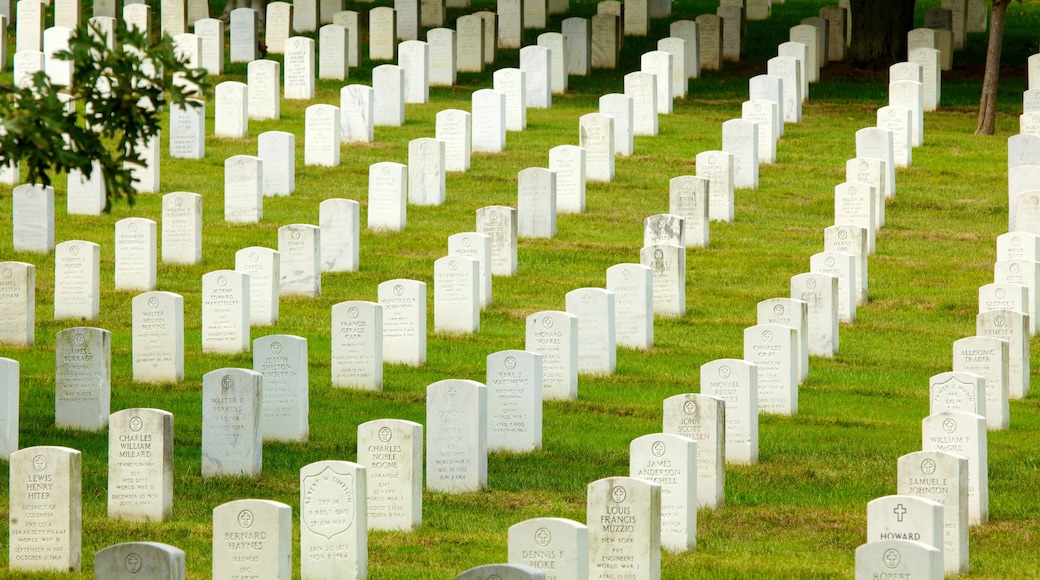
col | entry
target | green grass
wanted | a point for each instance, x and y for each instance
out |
(800, 512)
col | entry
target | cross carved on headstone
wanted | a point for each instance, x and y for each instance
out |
(900, 511)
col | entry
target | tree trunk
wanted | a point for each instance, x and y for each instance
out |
(988, 102)
(879, 30)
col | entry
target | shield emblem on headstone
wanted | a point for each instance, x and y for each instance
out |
(329, 507)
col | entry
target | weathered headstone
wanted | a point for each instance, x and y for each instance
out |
(557, 46)
(905, 517)
(490, 20)
(265, 94)
(567, 162)
(404, 321)
(470, 43)
(820, 293)
(357, 114)
(717, 168)
(187, 130)
(688, 199)
(298, 68)
(773, 349)
(896, 558)
(795, 314)
(277, 151)
(333, 520)
(340, 224)
(305, 15)
(392, 452)
(709, 26)
(10, 380)
(740, 139)
(554, 335)
(135, 254)
(150, 559)
(808, 35)
(597, 347)
(512, 82)
(77, 279)
(670, 461)
(244, 32)
(734, 25)
(986, 357)
(252, 537)
(536, 64)
(963, 434)
(225, 312)
(231, 111)
(852, 240)
(210, 31)
(32, 217)
(232, 436)
(641, 87)
(842, 266)
(45, 491)
(879, 143)
(625, 513)
(299, 251)
(277, 26)
(855, 204)
(158, 337)
(426, 179)
(557, 546)
(667, 262)
(514, 401)
(763, 115)
(350, 20)
(333, 52)
(388, 95)
(702, 418)
(382, 33)
(605, 45)
(17, 303)
(443, 61)
(282, 360)
(321, 140)
(633, 288)
(407, 19)
(943, 478)
(456, 295)
(414, 59)
(456, 436)
(687, 30)
(243, 189)
(140, 465)
(500, 224)
(620, 108)
(1014, 328)
(82, 378)
(357, 345)
(387, 187)
(510, 24)
(263, 265)
(478, 247)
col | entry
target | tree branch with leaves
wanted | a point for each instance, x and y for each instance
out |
(117, 94)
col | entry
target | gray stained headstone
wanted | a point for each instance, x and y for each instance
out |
(133, 560)
(282, 360)
(232, 436)
(299, 252)
(82, 378)
(357, 114)
(17, 303)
